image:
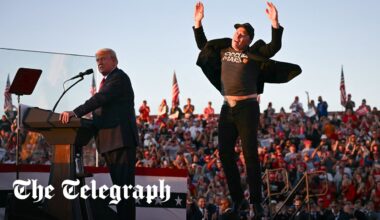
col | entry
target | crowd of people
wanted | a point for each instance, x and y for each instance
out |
(344, 145)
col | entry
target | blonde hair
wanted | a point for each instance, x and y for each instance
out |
(109, 51)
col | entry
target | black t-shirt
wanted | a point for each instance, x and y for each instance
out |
(239, 73)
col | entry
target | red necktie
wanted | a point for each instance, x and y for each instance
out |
(101, 84)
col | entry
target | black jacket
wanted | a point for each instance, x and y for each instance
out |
(194, 213)
(113, 112)
(271, 71)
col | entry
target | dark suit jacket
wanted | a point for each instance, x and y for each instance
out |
(271, 71)
(194, 213)
(341, 215)
(302, 215)
(228, 215)
(113, 113)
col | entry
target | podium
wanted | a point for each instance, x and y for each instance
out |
(65, 138)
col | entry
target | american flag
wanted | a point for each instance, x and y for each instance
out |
(176, 179)
(93, 86)
(7, 97)
(343, 98)
(175, 91)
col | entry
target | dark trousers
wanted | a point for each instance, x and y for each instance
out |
(121, 163)
(241, 120)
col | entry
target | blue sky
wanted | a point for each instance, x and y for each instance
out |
(154, 38)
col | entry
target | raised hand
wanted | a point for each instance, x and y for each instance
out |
(198, 14)
(272, 14)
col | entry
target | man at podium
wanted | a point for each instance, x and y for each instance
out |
(114, 117)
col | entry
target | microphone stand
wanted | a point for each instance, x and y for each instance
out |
(78, 162)
(18, 141)
(66, 90)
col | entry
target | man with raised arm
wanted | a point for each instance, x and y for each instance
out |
(239, 72)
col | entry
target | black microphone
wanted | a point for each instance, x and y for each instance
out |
(81, 74)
